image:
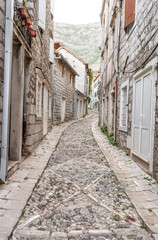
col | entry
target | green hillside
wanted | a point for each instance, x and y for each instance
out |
(83, 40)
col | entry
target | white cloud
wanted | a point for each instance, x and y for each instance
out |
(77, 11)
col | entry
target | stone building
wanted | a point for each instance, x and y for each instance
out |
(129, 91)
(81, 81)
(25, 77)
(64, 90)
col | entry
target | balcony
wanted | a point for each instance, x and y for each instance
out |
(22, 13)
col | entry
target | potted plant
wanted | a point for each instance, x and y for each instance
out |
(23, 13)
(32, 32)
(27, 20)
(29, 26)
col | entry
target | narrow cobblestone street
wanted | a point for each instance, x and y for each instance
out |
(79, 196)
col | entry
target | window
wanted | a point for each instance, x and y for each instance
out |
(42, 13)
(52, 7)
(71, 79)
(51, 51)
(124, 106)
(39, 97)
(63, 71)
(50, 104)
(129, 12)
(71, 106)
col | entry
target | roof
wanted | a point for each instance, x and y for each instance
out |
(81, 60)
(80, 93)
(67, 63)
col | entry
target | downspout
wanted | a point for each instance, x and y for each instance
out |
(6, 88)
(116, 64)
(53, 92)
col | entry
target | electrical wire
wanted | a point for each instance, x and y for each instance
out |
(135, 70)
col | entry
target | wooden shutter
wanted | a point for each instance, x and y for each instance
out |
(51, 51)
(129, 12)
(42, 13)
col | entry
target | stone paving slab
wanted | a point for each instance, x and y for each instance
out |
(15, 193)
(140, 187)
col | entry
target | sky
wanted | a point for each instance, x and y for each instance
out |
(77, 11)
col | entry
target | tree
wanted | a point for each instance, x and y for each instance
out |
(91, 76)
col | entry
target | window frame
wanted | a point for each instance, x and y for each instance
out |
(123, 85)
(42, 14)
(52, 2)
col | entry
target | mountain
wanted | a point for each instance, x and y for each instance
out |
(83, 40)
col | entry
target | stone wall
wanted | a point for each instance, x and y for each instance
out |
(80, 67)
(2, 38)
(40, 61)
(137, 43)
(63, 88)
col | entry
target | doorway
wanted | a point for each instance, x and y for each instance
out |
(63, 108)
(45, 110)
(143, 108)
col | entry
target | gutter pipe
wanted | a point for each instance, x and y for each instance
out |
(116, 64)
(53, 67)
(6, 88)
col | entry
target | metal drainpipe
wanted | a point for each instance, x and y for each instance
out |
(53, 91)
(116, 64)
(6, 87)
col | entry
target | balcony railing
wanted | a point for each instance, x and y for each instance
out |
(20, 21)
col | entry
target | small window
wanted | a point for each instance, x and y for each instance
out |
(42, 13)
(63, 71)
(71, 79)
(124, 106)
(50, 104)
(39, 98)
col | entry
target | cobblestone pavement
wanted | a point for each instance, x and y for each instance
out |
(79, 196)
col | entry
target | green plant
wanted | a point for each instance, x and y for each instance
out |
(110, 136)
(147, 178)
(91, 76)
(143, 226)
(23, 211)
(150, 210)
(114, 234)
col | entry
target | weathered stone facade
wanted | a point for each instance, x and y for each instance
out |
(137, 60)
(31, 76)
(81, 82)
(64, 91)
(40, 62)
